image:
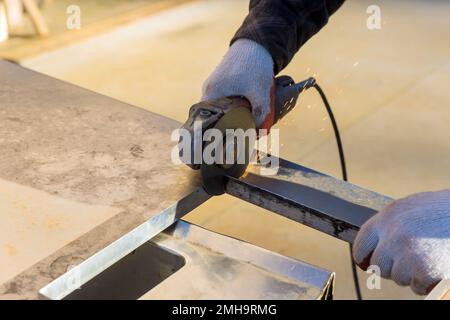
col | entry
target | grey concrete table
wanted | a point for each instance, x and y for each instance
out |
(86, 180)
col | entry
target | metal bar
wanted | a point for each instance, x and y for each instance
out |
(330, 205)
(91, 267)
(324, 203)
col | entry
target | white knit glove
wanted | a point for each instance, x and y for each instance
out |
(245, 70)
(409, 241)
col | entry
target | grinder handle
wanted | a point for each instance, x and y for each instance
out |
(286, 94)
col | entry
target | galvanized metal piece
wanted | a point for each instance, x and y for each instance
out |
(306, 196)
(205, 265)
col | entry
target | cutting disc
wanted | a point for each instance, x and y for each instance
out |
(214, 175)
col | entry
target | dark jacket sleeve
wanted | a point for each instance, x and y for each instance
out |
(283, 26)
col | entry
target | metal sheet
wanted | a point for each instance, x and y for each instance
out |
(79, 171)
(219, 267)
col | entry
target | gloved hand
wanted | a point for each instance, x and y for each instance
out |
(245, 70)
(409, 241)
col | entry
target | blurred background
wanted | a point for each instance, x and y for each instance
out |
(388, 88)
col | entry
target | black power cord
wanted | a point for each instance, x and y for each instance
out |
(344, 174)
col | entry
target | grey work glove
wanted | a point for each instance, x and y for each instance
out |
(245, 70)
(409, 241)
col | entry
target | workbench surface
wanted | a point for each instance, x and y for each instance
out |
(78, 171)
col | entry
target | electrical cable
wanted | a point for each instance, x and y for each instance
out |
(344, 174)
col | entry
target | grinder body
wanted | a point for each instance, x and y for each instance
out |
(232, 113)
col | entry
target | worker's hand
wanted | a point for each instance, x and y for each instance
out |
(409, 241)
(245, 70)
